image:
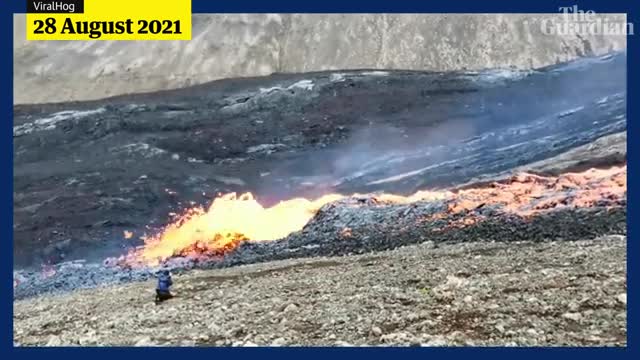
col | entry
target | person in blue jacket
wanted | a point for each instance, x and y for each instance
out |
(164, 283)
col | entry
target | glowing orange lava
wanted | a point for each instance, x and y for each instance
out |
(527, 194)
(232, 219)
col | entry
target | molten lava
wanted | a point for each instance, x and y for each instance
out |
(527, 194)
(229, 220)
(232, 219)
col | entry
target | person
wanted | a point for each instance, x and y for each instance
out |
(164, 283)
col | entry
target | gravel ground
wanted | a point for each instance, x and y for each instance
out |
(481, 293)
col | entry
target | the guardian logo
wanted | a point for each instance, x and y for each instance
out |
(584, 23)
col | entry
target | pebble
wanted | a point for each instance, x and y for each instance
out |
(290, 308)
(572, 316)
(376, 331)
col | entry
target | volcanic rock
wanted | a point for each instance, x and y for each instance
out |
(135, 159)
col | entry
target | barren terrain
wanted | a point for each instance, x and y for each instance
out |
(522, 241)
(522, 293)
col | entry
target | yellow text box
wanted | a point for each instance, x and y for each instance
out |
(116, 20)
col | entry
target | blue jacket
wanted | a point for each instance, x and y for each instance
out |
(164, 281)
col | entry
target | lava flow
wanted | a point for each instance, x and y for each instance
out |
(232, 219)
(229, 220)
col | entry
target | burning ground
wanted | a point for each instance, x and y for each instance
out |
(84, 173)
(548, 279)
(510, 191)
(523, 207)
(461, 187)
(521, 200)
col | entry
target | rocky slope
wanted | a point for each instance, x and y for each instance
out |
(482, 293)
(85, 172)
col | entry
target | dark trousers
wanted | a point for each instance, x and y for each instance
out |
(162, 295)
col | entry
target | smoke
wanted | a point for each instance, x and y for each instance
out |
(409, 133)
(378, 151)
(466, 130)
(370, 153)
